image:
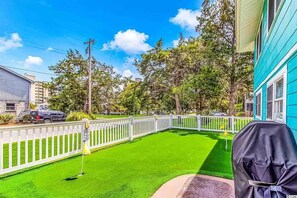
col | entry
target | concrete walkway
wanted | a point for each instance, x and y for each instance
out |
(190, 186)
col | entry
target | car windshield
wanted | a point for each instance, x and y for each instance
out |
(34, 113)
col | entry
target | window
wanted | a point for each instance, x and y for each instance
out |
(273, 7)
(258, 104)
(276, 97)
(259, 42)
(269, 101)
(10, 107)
(279, 99)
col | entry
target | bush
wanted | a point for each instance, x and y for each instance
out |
(93, 116)
(240, 114)
(33, 106)
(27, 117)
(6, 118)
(78, 116)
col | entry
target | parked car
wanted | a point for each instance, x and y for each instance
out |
(217, 113)
(47, 116)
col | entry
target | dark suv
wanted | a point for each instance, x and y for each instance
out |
(47, 116)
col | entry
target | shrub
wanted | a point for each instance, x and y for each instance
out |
(93, 116)
(6, 118)
(27, 117)
(32, 105)
(78, 116)
(240, 114)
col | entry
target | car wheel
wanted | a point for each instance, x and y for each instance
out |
(46, 121)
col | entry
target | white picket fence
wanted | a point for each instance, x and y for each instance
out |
(26, 146)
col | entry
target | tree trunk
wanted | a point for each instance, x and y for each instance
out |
(232, 98)
(177, 104)
(86, 106)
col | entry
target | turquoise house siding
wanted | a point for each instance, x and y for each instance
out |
(278, 51)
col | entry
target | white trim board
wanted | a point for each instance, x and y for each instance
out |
(279, 65)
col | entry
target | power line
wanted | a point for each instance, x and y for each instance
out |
(46, 49)
(28, 70)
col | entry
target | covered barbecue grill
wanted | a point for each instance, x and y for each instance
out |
(264, 159)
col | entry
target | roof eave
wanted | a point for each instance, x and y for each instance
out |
(248, 14)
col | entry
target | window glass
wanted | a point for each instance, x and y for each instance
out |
(10, 106)
(269, 101)
(259, 41)
(277, 3)
(279, 92)
(273, 6)
(279, 89)
(270, 13)
(258, 105)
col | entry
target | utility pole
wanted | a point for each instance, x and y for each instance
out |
(89, 52)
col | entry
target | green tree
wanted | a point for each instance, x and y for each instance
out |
(217, 31)
(69, 90)
(201, 87)
(130, 98)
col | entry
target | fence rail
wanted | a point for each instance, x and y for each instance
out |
(26, 146)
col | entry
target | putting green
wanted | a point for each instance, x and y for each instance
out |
(135, 169)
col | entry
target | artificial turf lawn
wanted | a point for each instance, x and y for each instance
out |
(135, 169)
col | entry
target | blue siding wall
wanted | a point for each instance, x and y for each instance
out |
(13, 88)
(281, 39)
(292, 95)
(276, 44)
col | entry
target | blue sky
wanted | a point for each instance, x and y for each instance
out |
(37, 33)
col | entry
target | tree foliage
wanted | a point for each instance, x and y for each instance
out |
(69, 90)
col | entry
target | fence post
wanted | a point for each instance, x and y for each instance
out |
(156, 124)
(131, 123)
(199, 122)
(233, 123)
(170, 121)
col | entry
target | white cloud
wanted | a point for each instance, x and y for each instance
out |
(12, 42)
(175, 42)
(128, 73)
(129, 41)
(33, 60)
(186, 18)
(49, 49)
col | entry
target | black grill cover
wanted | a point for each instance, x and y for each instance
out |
(264, 159)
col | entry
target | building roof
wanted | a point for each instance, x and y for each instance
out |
(16, 74)
(248, 15)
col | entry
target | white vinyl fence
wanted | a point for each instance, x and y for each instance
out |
(210, 123)
(26, 146)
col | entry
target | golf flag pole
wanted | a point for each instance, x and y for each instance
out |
(85, 142)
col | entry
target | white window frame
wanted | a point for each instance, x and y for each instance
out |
(10, 110)
(261, 104)
(282, 74)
